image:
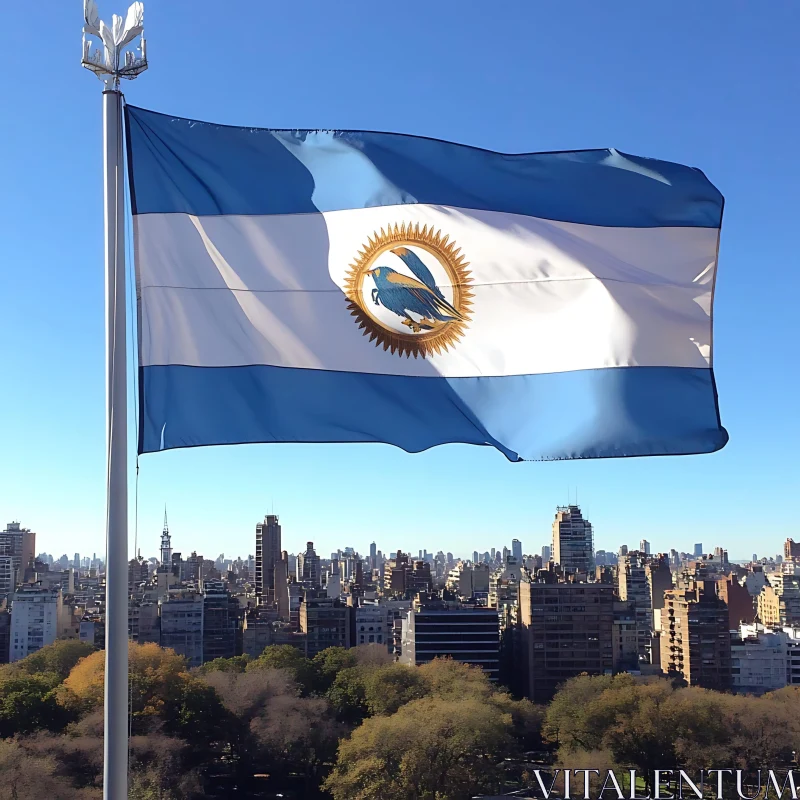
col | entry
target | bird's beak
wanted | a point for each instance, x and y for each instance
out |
(370, 272)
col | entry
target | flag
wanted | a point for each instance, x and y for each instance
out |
(348, 286)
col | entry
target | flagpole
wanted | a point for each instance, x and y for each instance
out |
(110, 68)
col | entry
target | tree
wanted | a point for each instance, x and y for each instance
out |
(159, 770)
(29, 770)
(450, 679)
(276, 732)
(290, 659)
(388, 688)
(430, 749)
(348, 695)
(57, 659)
(28, 704)
(234, 664)
(328, 663)
(566, 722)
(157, 678)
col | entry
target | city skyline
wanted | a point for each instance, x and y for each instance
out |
(294, 546)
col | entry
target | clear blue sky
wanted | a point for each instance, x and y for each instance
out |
(711, 84)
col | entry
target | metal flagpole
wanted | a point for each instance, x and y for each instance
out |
(110, 67)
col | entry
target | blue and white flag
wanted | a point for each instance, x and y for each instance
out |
(345, 286)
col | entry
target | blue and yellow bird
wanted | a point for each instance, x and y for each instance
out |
(404, 295)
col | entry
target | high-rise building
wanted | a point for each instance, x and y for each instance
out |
(698, 550)
(308, 567)
(181, 613)
(18, 546)
(634, 587)
(546, 553)
(222, 622)
(644, 547)
(516, 550)
(282, 586)
(625, 639)
(659, 578)
(373, 556)
(696, 640)
(566, 629)
(166, 544)
(326, 622)
(36, 614)
(268, 551)
(791, 550)
(737, 600)
(779, 601)
(573, 541)
(469, 635)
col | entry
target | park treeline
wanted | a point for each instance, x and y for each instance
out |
(354, 725)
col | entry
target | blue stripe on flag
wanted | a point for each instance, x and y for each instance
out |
(628, 411)
(180, 165)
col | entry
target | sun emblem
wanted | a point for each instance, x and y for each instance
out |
(409, 290)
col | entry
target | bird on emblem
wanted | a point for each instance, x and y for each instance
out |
(404, 295)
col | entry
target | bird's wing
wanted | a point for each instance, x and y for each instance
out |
(414, 263)
(424, 294)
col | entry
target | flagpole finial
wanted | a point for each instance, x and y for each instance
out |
(117, 60)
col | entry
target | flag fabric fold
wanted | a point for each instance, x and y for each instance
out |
(347, 286)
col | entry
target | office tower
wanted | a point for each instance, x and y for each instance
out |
(634, 587)
(76, 561)
(268, 551)
(137, 574)
(644, 547)
(222, 622)
(779, 601)
(659, 578)
(696, 640)
(624, 637)
(791, 550)
(738, 601)
(546, 553)
(281, 586)
(181, 613)
(573, 541)
(326, 622)
(504, 585)
(308, 567)
(623, 550)
(516, 550)
(493, 551)
(475, 557)
(469, 635)
(698, 550)
(755, 557)
(36, 614)
(17, 551)
(194, 568)
(506, 553)
(566, 629)
(166, 544)
(373, 556)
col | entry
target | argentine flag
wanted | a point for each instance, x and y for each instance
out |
(347, 286)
